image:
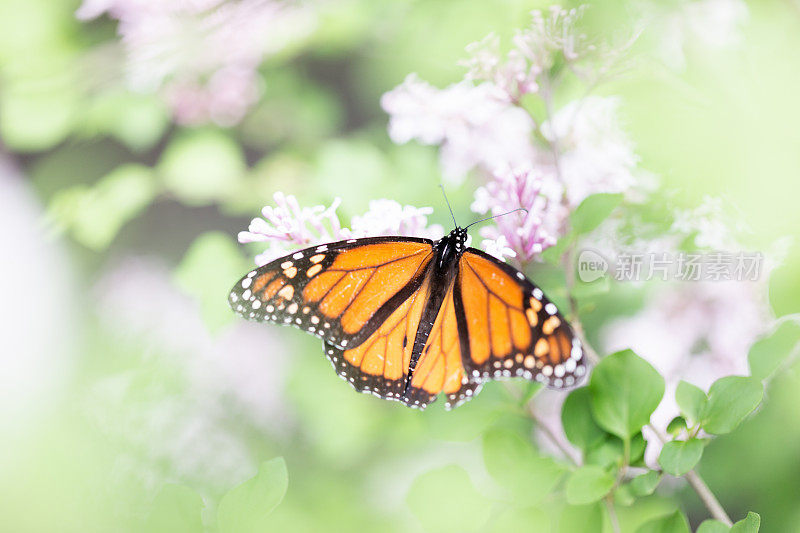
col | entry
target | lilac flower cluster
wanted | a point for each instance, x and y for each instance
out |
(481, 125)
(202, 55)
(288, 226)
(523, 234)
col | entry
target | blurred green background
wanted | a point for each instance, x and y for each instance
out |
(132, 400)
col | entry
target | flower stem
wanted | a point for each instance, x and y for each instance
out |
(703, 492)
(547, 430)
(612, 514)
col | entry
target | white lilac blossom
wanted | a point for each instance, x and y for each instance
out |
(202, 55)
(288, 226)
(594, 153)
(713, 24)
(525, 233)
(513, 78)
(693, 331)
(172, 414)
(387, 217)
(712, 225)
(474, 124)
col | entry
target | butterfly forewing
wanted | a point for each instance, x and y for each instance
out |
(379, 365)
(511, 328)
(341, 292)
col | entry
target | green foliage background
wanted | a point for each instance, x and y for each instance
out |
(117, 178)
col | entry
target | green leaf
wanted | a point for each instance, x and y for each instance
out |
(531, 389)
(624, 495)
(674, 523)
(176, 509)
(645, 484)
(608, 453)
(581, 519)
(678, 457)
(767, 354)
(583, 290)
(611, 451)
(445, 500)
(202, 166)
(593, 211)
(637, 448)
(96, 214)
(553, 254)
(625, 390)
(516, 465)
(137, 120)
(245, 508)
(750, 524)
(528, 519)
(784, 285)
(588, 484)
(576, 418)
(712, 526)
(691, 400)
(730, 400)
(39, 112)
(676, 426)
(207, 271)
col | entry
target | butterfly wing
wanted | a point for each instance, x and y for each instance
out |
(380, 364)
(512, 328)
(440, 367)
(341, 292)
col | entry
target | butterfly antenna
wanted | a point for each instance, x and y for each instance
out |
(448, 205)
(496, 216)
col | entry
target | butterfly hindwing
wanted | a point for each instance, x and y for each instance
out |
(340, 292)
(379, 365)
(440, 368)
(512, 329)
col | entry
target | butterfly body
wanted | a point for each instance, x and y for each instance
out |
(407, 319)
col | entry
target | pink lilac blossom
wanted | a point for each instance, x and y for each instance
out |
(513, 78)
(202, 55)
(526, 233)
(535, 49)
(288, 226)
(474, 124)
(595, 153)
(479, 124)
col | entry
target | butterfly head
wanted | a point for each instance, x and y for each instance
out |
(459, 237)
(450, 247)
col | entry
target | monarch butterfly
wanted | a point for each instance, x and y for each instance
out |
(407, 318)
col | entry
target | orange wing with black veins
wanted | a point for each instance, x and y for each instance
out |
(511, 326)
